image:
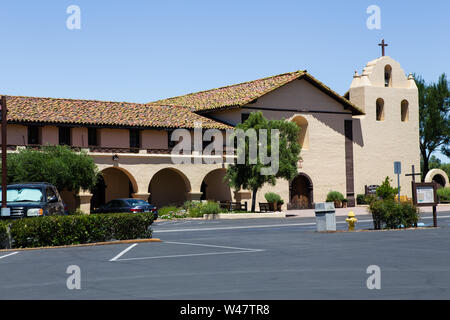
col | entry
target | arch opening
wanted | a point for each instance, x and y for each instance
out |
(301, 192)
(405, 111)
(303, 136)
(113, 183)
(168, 186)
(214, 187)
(380, 109)
(388, 76)
(440, 180)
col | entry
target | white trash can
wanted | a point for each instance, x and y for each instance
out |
(325, 216)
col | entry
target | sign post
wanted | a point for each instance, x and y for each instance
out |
(425, 195)
(398, 171)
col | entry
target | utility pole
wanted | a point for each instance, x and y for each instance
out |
(5, 210)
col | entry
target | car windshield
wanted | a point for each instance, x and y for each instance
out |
(137, 202)
(23, 195)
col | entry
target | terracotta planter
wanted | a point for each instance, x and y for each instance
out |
(279, 207)
(344, 204)
(337, 204)
(272, 206)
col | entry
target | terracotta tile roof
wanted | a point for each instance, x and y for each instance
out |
(234, 95)
(244, 93)
(92, 112)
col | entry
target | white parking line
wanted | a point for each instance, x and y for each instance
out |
(192, 255)
(241, 227)
(237, 250)
(10, 254)
(210, 245)
(123, 252)
(266, 226)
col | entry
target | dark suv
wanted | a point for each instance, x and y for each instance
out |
(33, 200)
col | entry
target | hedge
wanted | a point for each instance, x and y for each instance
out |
(77, 229)
(3, 234)
(444, 194)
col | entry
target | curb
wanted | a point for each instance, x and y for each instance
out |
(232, 216)
(382, 230)
(86, 244)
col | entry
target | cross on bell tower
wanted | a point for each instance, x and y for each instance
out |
(382, 45)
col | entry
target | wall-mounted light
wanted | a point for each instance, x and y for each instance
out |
(115, 157)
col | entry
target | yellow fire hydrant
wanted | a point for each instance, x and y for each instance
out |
(351, 220)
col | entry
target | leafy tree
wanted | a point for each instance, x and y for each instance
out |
(436, 163)
(446, 168)
(58, 165)
(248, 175)
(433, 163)
(434, 118)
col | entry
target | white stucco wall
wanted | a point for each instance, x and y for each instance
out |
(379, 143)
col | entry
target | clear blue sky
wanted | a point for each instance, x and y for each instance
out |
(140, 51)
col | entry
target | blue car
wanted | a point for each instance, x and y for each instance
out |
(127, 205)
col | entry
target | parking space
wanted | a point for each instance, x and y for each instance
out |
(240, 259)
(173, 249)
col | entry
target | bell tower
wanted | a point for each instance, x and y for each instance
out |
(389, 130)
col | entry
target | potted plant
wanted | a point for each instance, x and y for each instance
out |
(273, 199)
(336, 197)
(344, 203)
(279, 205)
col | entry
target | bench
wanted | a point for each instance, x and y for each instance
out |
(264, 207)
(233, 206)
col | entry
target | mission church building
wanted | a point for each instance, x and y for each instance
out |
(347, 141)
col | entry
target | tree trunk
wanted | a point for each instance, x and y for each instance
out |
(254, 199)
(425, 166)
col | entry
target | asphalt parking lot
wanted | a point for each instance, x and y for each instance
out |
(241, 259)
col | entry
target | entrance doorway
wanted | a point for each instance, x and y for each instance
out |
(301, 192)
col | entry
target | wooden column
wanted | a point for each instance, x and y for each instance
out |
(349, 171)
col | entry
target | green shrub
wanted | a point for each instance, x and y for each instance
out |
(366, 199)
(193, 208)
(370, 198)
(272, 197)
(385, 191)
(334, 196)
(77, 229)
(361, 199)
(3, 234)
(171, 212)
(210, 208)
(187, 205)
(76, 212)
(393, 215)
(444, 194)
(196, 209)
